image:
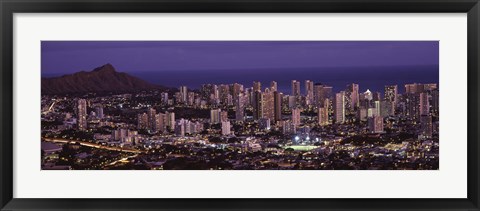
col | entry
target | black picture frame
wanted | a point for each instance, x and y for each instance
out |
(9, 7)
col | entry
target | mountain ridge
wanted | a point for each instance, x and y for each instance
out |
(101, 79)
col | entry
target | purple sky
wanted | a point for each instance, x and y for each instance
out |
(145, 56)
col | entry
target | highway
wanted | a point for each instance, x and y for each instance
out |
(93, 145)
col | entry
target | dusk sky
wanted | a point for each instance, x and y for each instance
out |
(217, 58)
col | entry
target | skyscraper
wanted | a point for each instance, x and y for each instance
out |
(183, 94)
(295, 88)
(142, 121)
(170, 120)
(257, 86)
(339, 107)
(322, 116)
(151, 112)
(277, 105)
(320, 93)
(352, 100)
(426, 126)
(309, 91)
(268, 104)
(273, 86)
(296, 116)
(82, 114)
(240, 107)
(226, 128)
(257, 105)
(391, 93)
(215, 116)
(424, 104)
(159, 123)
(375, 124)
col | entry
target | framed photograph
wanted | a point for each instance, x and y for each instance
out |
(228, 105)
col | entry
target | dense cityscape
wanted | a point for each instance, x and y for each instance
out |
(244, 127)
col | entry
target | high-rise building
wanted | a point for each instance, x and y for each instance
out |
(257, 105)
(375, 124)
(295, 88)
(391, 93)
(426, 126)
(240, 107)
(387, 108)
(159, 123)
(224, 92)
(268, 104)
(223, 116)
(320, 93)
(424, 104)
(180, 128)
(257, 86)
(164, 98)
(142, 121)
(183, 94)
(82, 114)
(277, 98)
(339, 109)
(170, 120)
(151, 112)
(273, 86)
(226, 128)
(191, 98)
(288, 127)
(235, 90)
(215, 116)
(309, 92)
(296, 116)
(435, 102)
(322, 116)
(352, 96)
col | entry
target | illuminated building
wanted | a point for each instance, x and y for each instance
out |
(322, 116)
(142, 121)
(426, 126)
(151, 112)
(391, 93)
(226, 128)
(295, 88)
(223, 116)
(257, 86)
(352, 96)
(375, 124)
(309, 92)
(273, 86)
(215, 116)
(268, 104)
(339, 110)
(82, 114)
(170, 120)
(240, 107)
(296, 116)
(277, 98)
(320, 93)
(183, 94)
(257, 105)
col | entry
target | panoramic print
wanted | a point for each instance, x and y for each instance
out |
(239, 105)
